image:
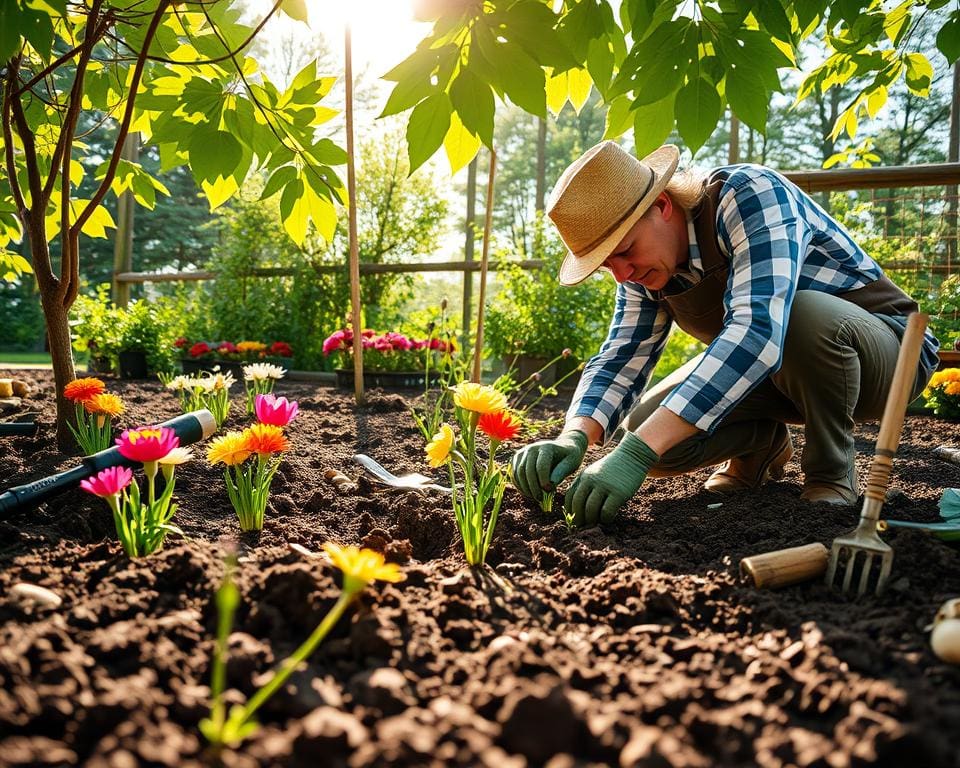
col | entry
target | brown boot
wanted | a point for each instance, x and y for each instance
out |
(829, 493)
(753, 469)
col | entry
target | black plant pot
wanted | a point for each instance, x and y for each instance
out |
(387, 379)
(133, 364)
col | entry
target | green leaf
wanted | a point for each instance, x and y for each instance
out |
(600, 61)
(619, 118)
(328, 152)
(897, 22)
(473, 101)
(295, 9)
(293, 211)
(652, 124)
(582, 24)
(520, 77)
(405, 94)
(428, 124)
(530, 25)
(460, 144)
(37, 29)
(748, 97)
(807, 11)
(919, 73)
(213, 154)
(948, 38)
(558, 90)
(9, 30)
(698, 108)
(579, 84)
(771, 15)
(280, 178)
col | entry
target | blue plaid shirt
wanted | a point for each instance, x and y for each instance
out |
(778, 241)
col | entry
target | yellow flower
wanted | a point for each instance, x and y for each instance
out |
(952, 388)
(251, 346)
(230, 448)
(104, 403)
(360, 567)
(438, 449)
(480, 398)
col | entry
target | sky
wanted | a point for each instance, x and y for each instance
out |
(383, 32)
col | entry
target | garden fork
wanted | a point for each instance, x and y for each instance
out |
(864, 539)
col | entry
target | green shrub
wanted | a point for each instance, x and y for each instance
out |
(534, 315)
(105, 330)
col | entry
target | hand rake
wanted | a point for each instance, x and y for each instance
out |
(864, 539)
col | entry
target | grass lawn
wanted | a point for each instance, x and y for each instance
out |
(37, 359)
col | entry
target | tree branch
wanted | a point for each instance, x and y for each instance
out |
(124, 128)
(49, 70)
(75, 101)
(9, 157)
(62, 153)
(228, 55)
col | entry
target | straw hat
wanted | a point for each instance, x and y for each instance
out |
(599, 197)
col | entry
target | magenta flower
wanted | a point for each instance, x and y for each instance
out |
(108, 482)
(277, 411)
(145, 444)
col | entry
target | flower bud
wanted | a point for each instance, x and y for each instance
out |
(566, 352)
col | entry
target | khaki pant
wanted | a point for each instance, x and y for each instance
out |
(838, 362)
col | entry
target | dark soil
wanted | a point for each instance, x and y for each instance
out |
(632, 645)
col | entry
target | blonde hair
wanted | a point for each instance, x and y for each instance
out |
(687, 187)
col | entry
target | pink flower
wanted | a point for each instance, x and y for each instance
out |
(226, 347)
(145, 444)
(335, 341)
(108, 482)
(277, 411)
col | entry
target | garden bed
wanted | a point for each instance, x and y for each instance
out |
(631, 645)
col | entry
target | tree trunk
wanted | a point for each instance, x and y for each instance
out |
(733, 150)
(61, 355)
(541, 189)
(123, 243)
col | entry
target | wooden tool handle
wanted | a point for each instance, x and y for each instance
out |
(891, 424)
(785, 566)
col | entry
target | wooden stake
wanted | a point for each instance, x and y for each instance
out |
(484, 261)
(352, 202)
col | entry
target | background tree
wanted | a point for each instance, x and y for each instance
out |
(401, 217)
(660, 65)
(177, 73)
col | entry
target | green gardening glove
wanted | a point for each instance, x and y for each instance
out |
(598, 492)
(543, 465)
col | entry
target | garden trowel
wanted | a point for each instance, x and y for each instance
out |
(412, 482)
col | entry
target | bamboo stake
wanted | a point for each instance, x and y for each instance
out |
(352, 202)
(484, 262)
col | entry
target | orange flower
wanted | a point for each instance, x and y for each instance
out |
(79, 390)
(499, 426)
(104, 403)
(265, 439)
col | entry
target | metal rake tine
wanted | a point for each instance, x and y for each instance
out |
(886, 565)
(848, 576)
(865, 576)
(832, 565)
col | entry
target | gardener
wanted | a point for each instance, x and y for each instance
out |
(801, 327)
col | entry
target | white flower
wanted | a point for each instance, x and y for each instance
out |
(217, 382)
(261, 371)
(177, 456)
(180, 382)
